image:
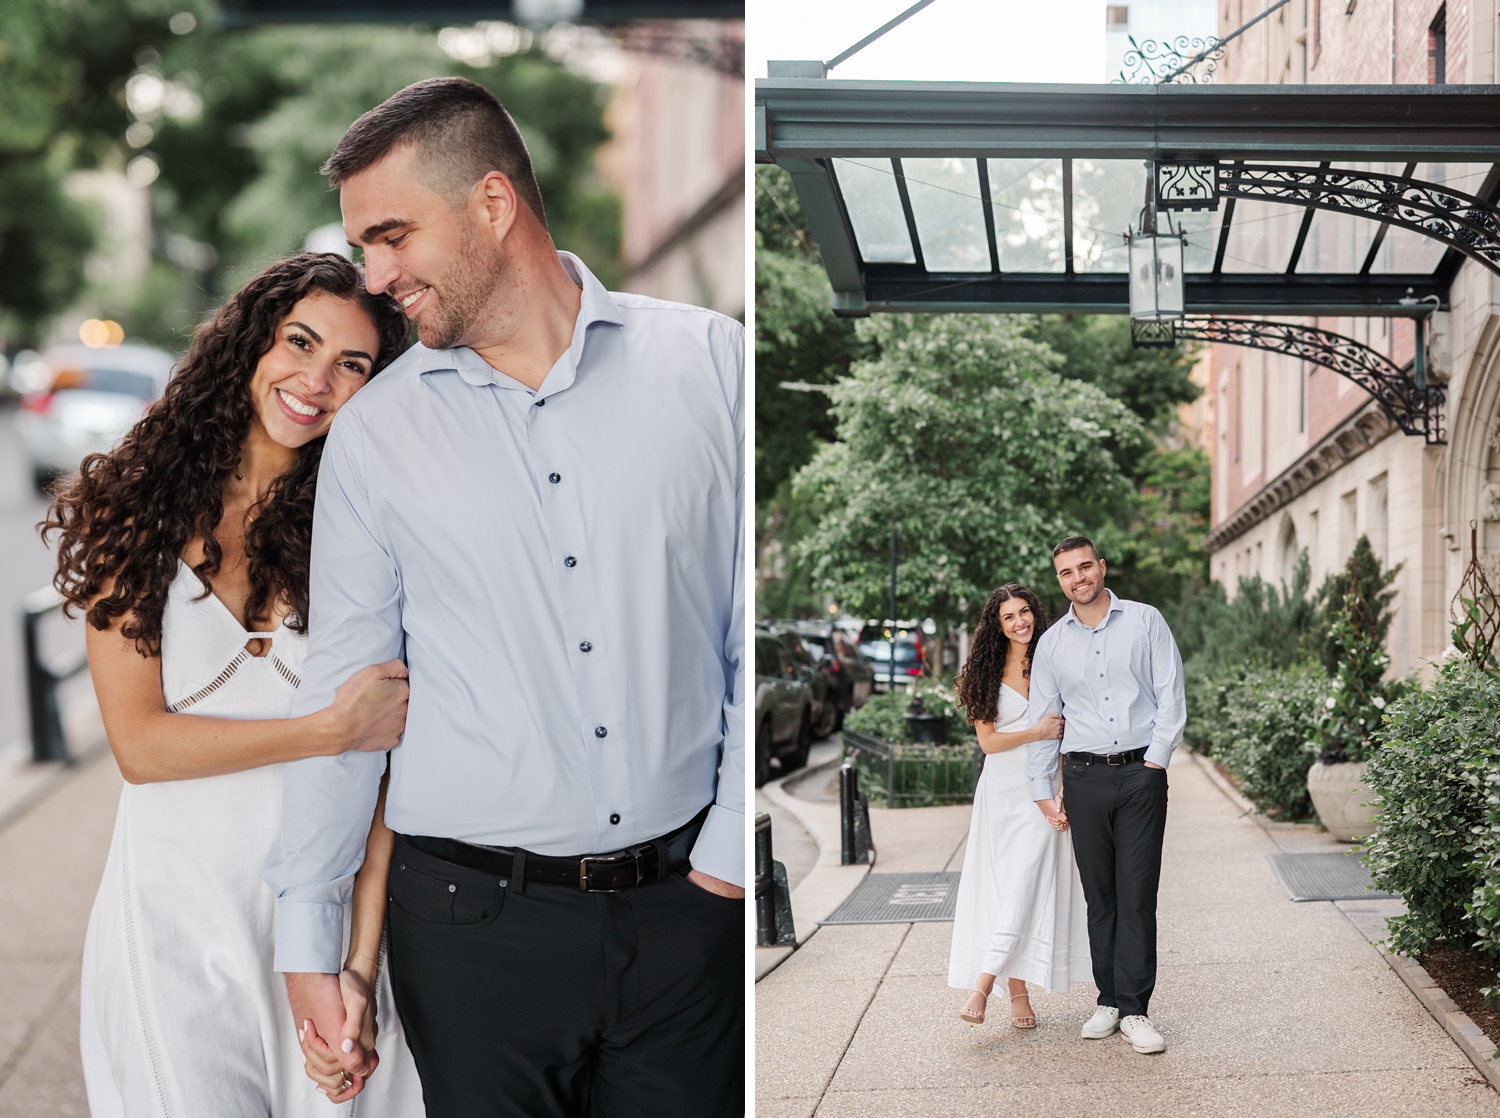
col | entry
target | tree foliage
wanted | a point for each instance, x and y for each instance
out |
(962, 430)
(257, 113)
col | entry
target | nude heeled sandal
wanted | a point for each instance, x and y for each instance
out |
(965, 1015)
(1015, 1022)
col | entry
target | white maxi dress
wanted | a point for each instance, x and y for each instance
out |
(181, 1013)
(1020, 911)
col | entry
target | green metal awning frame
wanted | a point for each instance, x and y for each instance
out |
(802, 125)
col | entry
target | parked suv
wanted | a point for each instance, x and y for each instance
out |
(783, 708)
(875, 646)
(850, 678)
(825, 697)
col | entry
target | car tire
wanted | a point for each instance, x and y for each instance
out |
(798, 756)
(830, 720)
(763, 753)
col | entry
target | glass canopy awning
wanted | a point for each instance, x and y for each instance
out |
(1014, 198)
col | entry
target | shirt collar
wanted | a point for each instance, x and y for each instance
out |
(596, 305)
(1114, 608)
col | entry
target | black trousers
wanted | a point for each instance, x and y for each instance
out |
(547, 1002)
(1118, 816)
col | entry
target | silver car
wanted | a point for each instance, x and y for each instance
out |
(79, 400)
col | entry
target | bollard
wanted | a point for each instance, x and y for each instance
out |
(48, 742)
(854, 819)
(773, 902)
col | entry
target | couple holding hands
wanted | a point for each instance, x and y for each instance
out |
(1051, 893)
(424, 668)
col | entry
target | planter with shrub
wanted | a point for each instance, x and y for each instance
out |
(899, 773)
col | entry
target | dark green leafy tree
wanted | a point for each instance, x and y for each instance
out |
(963, 432)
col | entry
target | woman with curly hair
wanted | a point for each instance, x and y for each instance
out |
(1020, 907)
(187, 550)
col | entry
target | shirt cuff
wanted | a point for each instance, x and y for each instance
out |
(309, 937)
(1041, 788)
(1159, 754)
(720, 849)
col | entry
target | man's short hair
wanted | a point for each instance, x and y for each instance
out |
(460, 130)
(1073, 543)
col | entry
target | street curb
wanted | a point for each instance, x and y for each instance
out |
(1460, 1026)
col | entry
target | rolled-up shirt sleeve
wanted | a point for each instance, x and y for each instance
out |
(328, 802)
(1171, 698)
(719, 850)
(1041, 755)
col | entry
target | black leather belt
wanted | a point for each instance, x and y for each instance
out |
(1127, 758)
(590, 873)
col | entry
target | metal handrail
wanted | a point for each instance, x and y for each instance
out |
(48, 741)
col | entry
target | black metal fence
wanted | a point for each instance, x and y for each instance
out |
(43, 674)
(914, 775)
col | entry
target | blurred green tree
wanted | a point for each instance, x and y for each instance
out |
(964, 432)
(234, 124)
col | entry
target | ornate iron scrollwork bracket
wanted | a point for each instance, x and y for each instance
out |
(1460, 221)
(1416, 411)
(1151, 63)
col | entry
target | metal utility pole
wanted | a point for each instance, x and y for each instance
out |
(895, 528)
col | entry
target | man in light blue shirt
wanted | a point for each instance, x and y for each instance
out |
(540, 510)
(1112, 669)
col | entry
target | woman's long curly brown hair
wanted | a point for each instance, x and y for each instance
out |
(127, 515)
(978, 686)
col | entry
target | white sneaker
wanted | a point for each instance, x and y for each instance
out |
(1141, 1034)
(1106, 1019)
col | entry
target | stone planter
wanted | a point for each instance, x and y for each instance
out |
(1338, 791)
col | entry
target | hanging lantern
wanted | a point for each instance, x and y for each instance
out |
(1156, 276)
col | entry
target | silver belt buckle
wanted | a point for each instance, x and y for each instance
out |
(1115, 760)
(617, 859)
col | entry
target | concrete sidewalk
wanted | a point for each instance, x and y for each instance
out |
(1268, 1007)
(51, 858)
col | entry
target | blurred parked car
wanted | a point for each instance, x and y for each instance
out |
(875, 646)
(783, 708)
(812, 671)
(78, 400)
(850, 678)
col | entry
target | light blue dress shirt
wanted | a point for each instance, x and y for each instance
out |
(563, 573)
(1119, 686)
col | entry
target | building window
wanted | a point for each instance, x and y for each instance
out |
(1437, 48)
(1379, 519)
(1348, 524)
(1116, 18)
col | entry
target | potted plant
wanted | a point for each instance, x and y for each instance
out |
(1357, 609)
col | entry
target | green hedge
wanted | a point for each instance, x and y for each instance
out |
(1264, 730)
(881, 716)
(1437, 773)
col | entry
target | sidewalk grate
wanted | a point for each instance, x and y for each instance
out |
(1325, 877)
(899, 898)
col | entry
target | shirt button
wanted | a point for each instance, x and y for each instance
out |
(586, 646)
(615, 818)
(571, 562)
(554, 478)
(600, 732)
(539, 403)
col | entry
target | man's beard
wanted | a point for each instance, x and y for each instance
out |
(462, 292)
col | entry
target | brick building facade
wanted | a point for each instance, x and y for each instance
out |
(1303, 459)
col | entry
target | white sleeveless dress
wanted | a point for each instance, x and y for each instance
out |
(1020, 911)
(181, 1013)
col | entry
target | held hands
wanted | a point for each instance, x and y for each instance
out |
(318, 1002)
(1052, 809)
(369, 712)
(1051, 727)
